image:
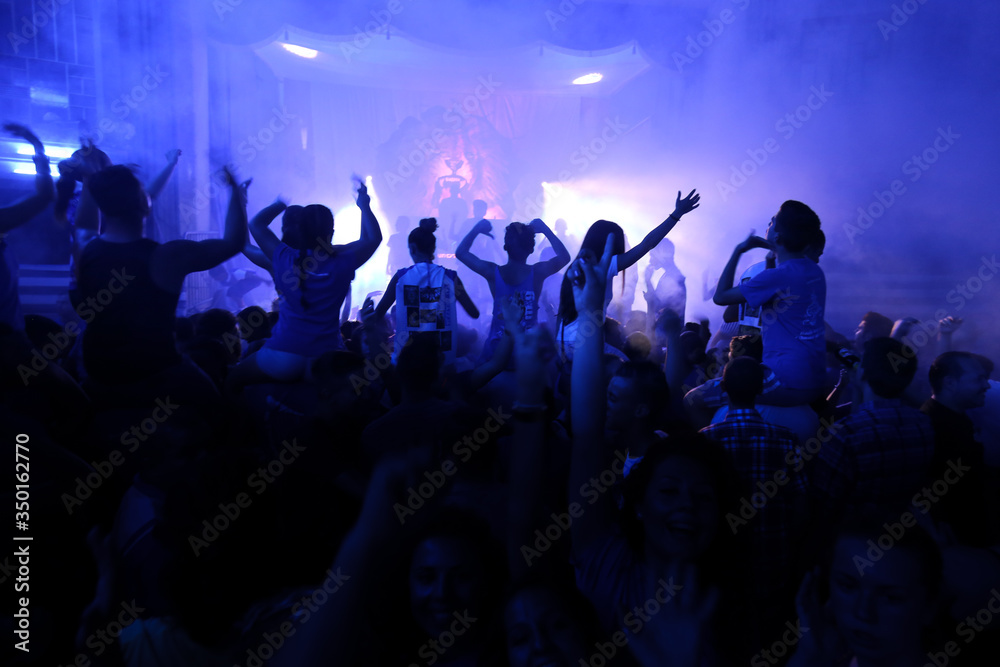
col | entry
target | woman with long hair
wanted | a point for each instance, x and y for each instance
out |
(590, 250)
(313, 277)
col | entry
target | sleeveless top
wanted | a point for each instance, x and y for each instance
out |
(425, 301)
(129, 319)
(524, 292)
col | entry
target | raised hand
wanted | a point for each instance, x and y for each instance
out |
(484, 227)
(173, 155)
(23, 132)
(589, 281)
(537, 226)
(228, 174)
(364, 199)
(950, 325)
(687, 204)
(753, 241)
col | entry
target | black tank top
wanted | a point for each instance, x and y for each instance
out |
(129, 320)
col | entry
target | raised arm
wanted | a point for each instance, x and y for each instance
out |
(371, 233)
(257, 256)
(260, 227)
(464, 254)
(528, 459)
(389, 297)
(156, 185)
(548, 267)
(588, 398)
(464, 299)
(683, 206)
(176, 259)
(26, 209)
(725, 293)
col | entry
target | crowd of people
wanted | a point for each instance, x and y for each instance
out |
(586, 484)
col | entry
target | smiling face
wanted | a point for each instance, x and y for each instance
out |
(880, 613)
(446, 578)
(541, 632)
(679, 510)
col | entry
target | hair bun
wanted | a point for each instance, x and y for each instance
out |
(429, 224)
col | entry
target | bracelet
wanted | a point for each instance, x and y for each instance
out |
(674, 217)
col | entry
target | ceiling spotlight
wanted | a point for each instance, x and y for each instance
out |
(593, 77)
(300, 50)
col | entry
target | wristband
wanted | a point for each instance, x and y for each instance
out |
(674, 217)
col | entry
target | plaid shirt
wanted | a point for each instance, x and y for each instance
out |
(766, 457)
(879, 455)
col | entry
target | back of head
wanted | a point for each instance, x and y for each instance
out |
(519, 239)
(422, 238)
(797, 225)
(292, 228)
(888, 366)
(318, 225)
(743, 380)
(119, 194)
(215, 323)
(479, 208)
(648, 382)
(747, 346)
(816, 247)
(876, 325)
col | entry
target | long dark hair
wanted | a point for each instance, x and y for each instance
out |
(594, 241)
(308, 227)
